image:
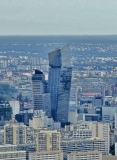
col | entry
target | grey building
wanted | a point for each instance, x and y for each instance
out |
(41, 99)
(59, 82)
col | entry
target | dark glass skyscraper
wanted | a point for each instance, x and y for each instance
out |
(59, 73)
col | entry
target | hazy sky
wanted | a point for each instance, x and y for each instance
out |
(35, 17)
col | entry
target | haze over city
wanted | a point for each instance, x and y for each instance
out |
(61, 17)
(58, 79)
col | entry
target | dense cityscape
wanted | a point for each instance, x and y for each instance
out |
(58, 98)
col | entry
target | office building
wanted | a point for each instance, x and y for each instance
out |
(94, 155)
(24, 118)
(5, 112)
(54, 155)
(41, 99)
(64, 95)
(97, 101)
(15, 133)
(59, 82)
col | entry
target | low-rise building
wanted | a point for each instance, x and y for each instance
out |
(75, 145)
(54, 155)
(109, 157)
(85, 156)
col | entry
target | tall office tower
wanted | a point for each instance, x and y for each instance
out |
(40, 93)
(15, 133)
(59, 81)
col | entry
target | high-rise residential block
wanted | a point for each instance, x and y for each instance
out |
(15, 133)
(47, 140)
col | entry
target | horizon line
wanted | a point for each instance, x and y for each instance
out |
(60, 35)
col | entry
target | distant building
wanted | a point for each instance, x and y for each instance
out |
(5, 112)
(47, 140)
(54, 155)
(101, 130)
(94, 155)
(59, 82)
(11, 152)
(41, 99)
(24, 118)
(78, 145)
(109, 157)
(15, 107)
(15, 133)
(42, 121)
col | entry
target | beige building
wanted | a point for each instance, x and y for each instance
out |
(47, 140)
(85, 156)
(15, 133)
(101, 130)
(109, 157)
(48, 155)
(36, 122)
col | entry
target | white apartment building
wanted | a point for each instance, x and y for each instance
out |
(86, 129)
(82, 133)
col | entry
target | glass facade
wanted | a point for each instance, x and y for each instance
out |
(64, 94)
(59, 63)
